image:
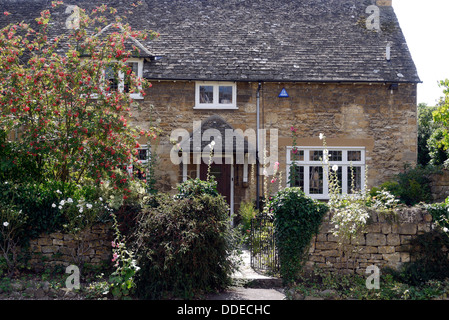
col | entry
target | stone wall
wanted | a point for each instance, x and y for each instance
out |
(59, 248)
(440, 186)
(385, 244)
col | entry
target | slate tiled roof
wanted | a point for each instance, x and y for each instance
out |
(270, 40)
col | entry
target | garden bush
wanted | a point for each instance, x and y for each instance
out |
(429, 261)
(246, 213)
(412, 186)
(297, 218)
(184, 243)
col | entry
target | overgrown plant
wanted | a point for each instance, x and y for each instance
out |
(121, 282)
(184, 244)
(80, 216)
(351, 212)
(12, 221)
(440, 215)
(247, 212)
(297, 218)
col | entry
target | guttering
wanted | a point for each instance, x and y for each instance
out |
(257, 144)
(386, 81)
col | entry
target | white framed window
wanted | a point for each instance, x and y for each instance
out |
(215, 95)
(120, 80)
(310, 175)
(143, 156)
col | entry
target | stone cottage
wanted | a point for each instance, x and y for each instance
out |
(244, 72)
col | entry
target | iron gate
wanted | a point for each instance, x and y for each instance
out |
(264, 255)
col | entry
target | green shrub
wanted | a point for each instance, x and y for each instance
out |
(183, 244)
(412, 186)
(437, 153)
(194, 187)
(297, 218)
(428, 259)
(440, 214)
(39, 203)
(246, 213)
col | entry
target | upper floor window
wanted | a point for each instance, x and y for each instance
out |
(310, 176)
(120, 81)
(215, 95)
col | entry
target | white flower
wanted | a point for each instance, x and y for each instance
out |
(62, 202)
(57, 191)
(321, 136)
(445, 229)
(88, 206)
(6, 223)
(60, 207)
(69, 200)
(81, 210)
(53, 205)
(101, 199)
(335, 168)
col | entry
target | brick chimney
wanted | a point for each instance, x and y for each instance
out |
(384, 3)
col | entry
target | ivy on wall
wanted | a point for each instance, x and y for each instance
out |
(297, 218)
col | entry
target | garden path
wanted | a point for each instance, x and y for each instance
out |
(250, 285)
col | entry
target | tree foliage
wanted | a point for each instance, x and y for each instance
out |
(441, 117)
(68, 121)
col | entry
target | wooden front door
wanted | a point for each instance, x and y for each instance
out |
(222, 174)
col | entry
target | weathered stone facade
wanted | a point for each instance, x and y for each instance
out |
(363, 115)
(385, 243)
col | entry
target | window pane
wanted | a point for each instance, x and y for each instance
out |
(354, 179)
(316, 155)
(142, 155)
(296, 155)
(111, 77)
(134, 68)
(354, 155)
(335, 155)
(297, 174)
(316, 180)
(339, 174)
(225, 94)
(206, 94)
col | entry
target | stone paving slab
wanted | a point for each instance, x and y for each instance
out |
(252, 285)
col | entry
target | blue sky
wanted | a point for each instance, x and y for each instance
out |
(425, 24)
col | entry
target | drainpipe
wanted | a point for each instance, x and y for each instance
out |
(257, 145)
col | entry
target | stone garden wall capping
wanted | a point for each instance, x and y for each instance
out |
(385, 243)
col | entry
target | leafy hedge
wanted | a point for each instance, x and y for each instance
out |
(297, 218)
(184, 243)
(412, 185)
